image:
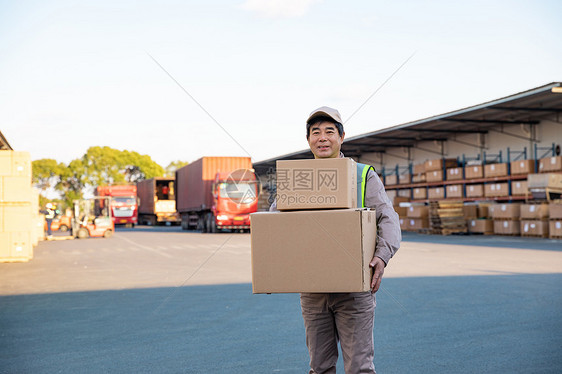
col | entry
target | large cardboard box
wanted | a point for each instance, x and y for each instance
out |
(550, 180)
(507, 227)
(16, 218)
(15, 189)
(317, 184)
(455, 190)
(534, 228)
(405, 178)
(481, 226)
(506, 211)
(418, 223)
(555, 211)
(519, 188)
(436, 193)
(401, 210)
(437, 164)
(15, 246)
(15, 164)
(534, 211)
(454, 174)
(419, 168)
(434, 176)
(391, 179)
(420, 193)
(474, 190)
(470, 211)
(555, 229)
(523, 167)
(418, 211)
(484, 210)
(475, 171)
(400, 199)
(313, 251)
(496, 189)
(419, 178)
(495, 170)
(550, 164)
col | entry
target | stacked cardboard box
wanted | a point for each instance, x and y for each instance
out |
(496, 189)
(320, 241)
(17, 224)
(399, 204)
(550, 164)
(455, 191)
(474, 191)
(519, 188)
(474, 171)
(440, 164)
(418, 217)
(405, 178)
(555, 223)
(506, 219)
(477, 219)
(454, 174)
(390, 179)
(495, 170)
(534, 220)
(434, 175)
(419, 173)
(523, 167)
(436, 193)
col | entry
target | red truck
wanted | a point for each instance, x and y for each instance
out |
(216, 194)
(124, 207)
(157, 201)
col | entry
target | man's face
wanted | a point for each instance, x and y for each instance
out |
(324, 140)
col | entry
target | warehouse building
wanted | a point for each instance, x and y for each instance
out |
(479, 154)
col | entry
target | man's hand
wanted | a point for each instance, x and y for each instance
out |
(378, 266)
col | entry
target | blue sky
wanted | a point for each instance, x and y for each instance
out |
(78, 74)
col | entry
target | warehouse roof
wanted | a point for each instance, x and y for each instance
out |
(4, 145)
(528, 107)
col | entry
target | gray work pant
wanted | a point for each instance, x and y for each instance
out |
(344, 317)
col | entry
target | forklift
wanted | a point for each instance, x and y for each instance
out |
(92, 218)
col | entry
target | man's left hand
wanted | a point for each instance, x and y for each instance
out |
(378, 266)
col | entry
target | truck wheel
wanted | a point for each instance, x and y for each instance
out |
(211, 224)
(184, 225)
(108, 234)
(63, 228)
(82, 233)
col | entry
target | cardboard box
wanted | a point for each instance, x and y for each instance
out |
(484, 210)
(474, 190)
(419, 168)
(419, 178)
(317, 184)
(436, 193)
(534, 211)
(496, 189)
(551, 180)
(16, 218)
(405, 178)
(420, 193)
(523, 167)
(534, 228)
(404, 223)
(15, 246)
(434, 176)
(470, 211)
(480, 226)
(418, 211)
(15, 164)
(507, 227)
(405, 193)
(503, 211)
(418, 223)
(454, 174)
(550, 164)
(401, 210)
(400, 199)
(312, 251)
(555, 211)
(472, 172)
(437, 164)
(391, 179)
(519, 188)
(495, 170)
(15, 189)
(555, 229)
(455, 190)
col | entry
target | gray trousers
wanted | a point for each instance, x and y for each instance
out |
(344, 317)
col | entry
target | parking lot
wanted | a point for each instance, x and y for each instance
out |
(164, 300)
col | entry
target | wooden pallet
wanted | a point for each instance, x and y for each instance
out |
(447, 217)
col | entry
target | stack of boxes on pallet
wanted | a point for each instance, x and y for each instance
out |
(555, 224)
(399, 203)
(506, 218)
(479, 220)
(19, 218)
(417, 218)
(320, 241)
(534, 220)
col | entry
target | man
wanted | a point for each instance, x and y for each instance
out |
(50, 214)
(347, 317)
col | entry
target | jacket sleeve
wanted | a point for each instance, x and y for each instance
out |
(389, 234)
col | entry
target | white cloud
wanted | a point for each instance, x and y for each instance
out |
(279, 8)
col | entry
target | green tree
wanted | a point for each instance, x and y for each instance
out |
(173, 166)
(46, 173)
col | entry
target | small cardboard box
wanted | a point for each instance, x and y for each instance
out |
(555, 229)
(495, 170)
(437, 164)
(419, 168)
(434, 176)
(534, 211)
(472, 172)
(419, 178)
(418, 223)
(312, 251)
(507, 227)
(391, 179)
(317, 184)
(420, 193)
(454, 174)
(474, 190)
(550, 164)
(519, 188)
(496, 189)
(551, 180)
(534, 228)
(470, 211)
(555, 211)
(481, 226)
(418, 211)
(523, 167)
(436, 193)
(503, 211)
(455, 190)
(15, 246)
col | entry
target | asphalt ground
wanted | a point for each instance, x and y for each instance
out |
(160, 300)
